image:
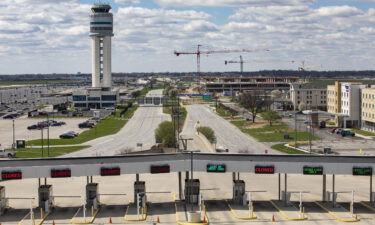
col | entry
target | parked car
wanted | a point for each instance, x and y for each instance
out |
(10, 116)
(9, 154)
(73, 132)
(86, 125)
(57, 124)
(33, 127)
(347, 133)
(68, 134)
(338, 130)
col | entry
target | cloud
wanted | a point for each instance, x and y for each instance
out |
(231, 3)
(127, 1)
(54, 36)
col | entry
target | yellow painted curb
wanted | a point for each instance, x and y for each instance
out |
(233, 212)
(143, 216)
(368, 206)
(286, 216)
(332, 214)
(89, 222)
(44, 218)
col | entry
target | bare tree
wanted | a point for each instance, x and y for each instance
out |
(253, 101)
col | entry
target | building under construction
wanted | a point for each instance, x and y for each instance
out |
(219, 84)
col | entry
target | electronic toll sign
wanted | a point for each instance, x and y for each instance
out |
(362, 171)
(216, 168)
(316, 170)
(110, 171)
(160, 168)
(11, 175)
(264, 169)
(57, 173)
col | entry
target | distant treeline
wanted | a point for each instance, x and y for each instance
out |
(86, 76)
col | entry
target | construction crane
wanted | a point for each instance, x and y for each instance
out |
(241, 62)
(198, 53)
(303, 68)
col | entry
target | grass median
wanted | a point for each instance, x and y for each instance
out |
(363, 132)
(108, 126)
(53, 151)
(273, 133)
(284, 149)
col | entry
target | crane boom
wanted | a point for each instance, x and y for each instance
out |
(198, 53)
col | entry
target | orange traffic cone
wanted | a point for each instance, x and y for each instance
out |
(158, 220)
(53, 223)
(110, 219)
(204, 219)
(273, 218)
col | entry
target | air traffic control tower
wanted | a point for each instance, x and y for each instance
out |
(101, 94)
(101, 32)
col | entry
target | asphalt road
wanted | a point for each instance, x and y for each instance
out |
(139, 129)
(227, 135)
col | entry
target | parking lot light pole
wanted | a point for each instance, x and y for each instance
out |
(41, 130)
(14, 137)
(48, 134)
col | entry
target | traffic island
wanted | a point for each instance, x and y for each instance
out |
(242, 212)
(85, 215)
(135, 213)
(338, 212)
(289, 211)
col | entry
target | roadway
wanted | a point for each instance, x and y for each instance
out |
(227, 135)
(138, 130)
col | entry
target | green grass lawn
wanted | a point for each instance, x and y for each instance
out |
(362, 132)
(108, 126)
(284, 149)
(223, 112)
(54, 151)
(273, 133)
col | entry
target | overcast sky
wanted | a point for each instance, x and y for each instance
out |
(51, 36)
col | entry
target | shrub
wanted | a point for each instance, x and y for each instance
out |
(165, 134)
(208, 133)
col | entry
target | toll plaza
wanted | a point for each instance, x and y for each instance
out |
(144, 196)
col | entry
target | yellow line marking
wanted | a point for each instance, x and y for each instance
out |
(233, 212)
(88, 222)
(368, 206)
(332, 214)
(286, 216)
(143, 215)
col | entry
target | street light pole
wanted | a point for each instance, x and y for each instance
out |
(42, 142)
(48, 134)
(14, 137)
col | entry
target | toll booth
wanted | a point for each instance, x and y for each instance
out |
(331, 197)
(45, 197)
(3, 200)
(286, 197)
(239, 192)
(139, 187)
(192, 190)
(92, 195)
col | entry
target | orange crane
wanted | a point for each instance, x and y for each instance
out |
(198, 53)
